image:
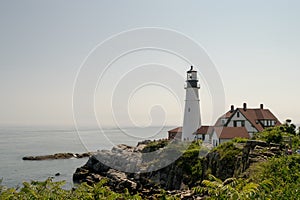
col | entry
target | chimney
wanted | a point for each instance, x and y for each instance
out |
(245, 106)
(261, 106)
(232, 108)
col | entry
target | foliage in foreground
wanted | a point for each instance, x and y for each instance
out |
(231, 188)
(53, 190)
(44, 190)
(278, 178)
(284, 174)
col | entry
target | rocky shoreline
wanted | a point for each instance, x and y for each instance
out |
(58, 156)
(176, 178)
(118, 166)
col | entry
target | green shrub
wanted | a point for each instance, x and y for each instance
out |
(282, 135)
(276, 179)
(155, 145)
(284, 173)
(239, 140)
(228, 150)
(48, 189)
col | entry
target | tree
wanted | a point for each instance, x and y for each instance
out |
(289, 127)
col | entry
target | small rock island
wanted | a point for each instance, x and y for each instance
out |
(58, 156)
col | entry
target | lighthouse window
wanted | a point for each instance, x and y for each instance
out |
(189, 110)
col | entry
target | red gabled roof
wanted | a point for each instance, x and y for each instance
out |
(201, 130)
(175, 133)
(252, 115)
(225, 116)
(205, 130)
(218, 122)
(258, 114)
(176, 130)
(231, 132)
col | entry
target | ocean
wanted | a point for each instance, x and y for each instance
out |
(16, 143)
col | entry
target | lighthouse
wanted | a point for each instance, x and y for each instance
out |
(192, 118)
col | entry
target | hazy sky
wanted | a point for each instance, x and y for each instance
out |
(255, 46)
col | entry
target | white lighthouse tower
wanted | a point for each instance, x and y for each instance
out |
(192, 118)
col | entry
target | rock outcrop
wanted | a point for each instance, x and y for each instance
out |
(227, 164)
(178, 176)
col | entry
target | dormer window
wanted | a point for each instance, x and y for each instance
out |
(268, 122)
(223, 121)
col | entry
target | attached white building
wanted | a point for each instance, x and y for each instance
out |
(203, 133)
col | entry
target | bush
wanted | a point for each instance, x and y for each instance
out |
(284, 173)
(276, 179)
(155, 145)
(282, 135)
(239, 140)
(53, 190)
(228, 150)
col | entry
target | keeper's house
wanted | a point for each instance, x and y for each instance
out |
(237, 122)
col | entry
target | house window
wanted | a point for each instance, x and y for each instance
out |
(273, 123)
(239, 123)
(237, 114)
(223, 121)
(235, 123)
(268, 122)
(215, 142)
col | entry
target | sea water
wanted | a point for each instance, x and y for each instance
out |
(16, 143)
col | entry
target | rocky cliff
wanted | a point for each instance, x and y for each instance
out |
(231, 159)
